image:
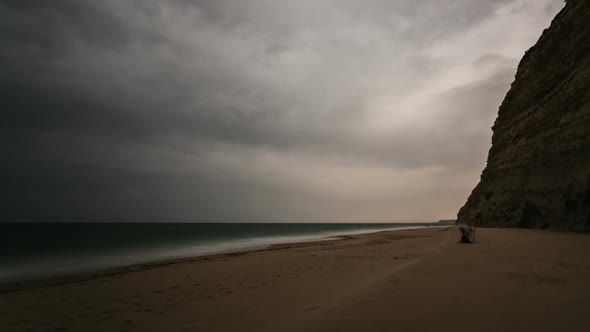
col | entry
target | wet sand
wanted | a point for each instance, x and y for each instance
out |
(411, 280)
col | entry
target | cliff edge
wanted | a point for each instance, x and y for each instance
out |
(538, 169)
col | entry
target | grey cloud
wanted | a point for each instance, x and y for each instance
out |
(113, 106)
(491, 59)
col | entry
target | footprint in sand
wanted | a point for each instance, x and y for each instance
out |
(21, 322)
(102, 319)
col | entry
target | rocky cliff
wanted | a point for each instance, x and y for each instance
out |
(538, 169)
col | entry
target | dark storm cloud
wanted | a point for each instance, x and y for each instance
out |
(251, 110)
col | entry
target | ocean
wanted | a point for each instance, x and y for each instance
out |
(32, 251)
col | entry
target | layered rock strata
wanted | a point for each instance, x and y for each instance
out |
(538, 169)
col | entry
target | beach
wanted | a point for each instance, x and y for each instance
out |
(406, 280)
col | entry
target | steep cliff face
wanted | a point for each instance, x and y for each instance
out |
(538, 169)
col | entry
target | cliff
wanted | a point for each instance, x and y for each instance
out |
(538, 169)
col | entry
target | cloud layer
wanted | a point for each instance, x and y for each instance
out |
(257, 110)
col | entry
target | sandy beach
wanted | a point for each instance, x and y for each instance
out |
(410, 280)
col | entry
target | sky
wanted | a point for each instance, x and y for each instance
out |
(253, 111)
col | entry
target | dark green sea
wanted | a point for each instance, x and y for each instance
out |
(30, 251)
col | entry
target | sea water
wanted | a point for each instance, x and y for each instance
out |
(30, 251)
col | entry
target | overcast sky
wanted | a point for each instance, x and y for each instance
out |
(258, 110)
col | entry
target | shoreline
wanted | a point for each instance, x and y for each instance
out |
(80, 276)
(414, 280)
